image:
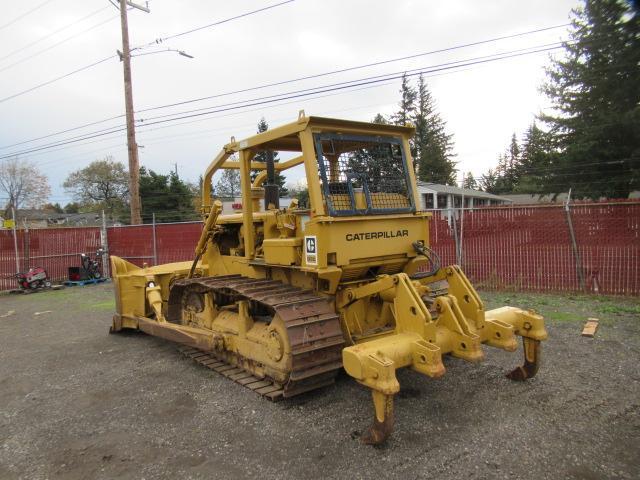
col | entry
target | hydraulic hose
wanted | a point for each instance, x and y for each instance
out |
(433, 258)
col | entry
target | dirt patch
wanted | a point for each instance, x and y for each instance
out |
(76, 402)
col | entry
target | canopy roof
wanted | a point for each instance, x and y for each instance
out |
(285, 137)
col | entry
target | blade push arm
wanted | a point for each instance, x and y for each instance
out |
(206, 232)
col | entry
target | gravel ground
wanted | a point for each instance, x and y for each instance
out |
(76, 402)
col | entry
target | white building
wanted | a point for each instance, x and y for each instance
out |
(446, 198)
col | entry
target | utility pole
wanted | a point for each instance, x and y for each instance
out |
(134, 181)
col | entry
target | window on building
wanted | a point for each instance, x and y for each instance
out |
(428, 200)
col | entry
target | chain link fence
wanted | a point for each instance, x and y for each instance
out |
(590, 247)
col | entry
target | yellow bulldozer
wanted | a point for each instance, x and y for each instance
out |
(281, 299)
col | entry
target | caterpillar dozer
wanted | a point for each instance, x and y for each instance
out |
(281, 299)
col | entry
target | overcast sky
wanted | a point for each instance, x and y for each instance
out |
(483, 104)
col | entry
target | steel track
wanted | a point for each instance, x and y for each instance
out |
(313, 328)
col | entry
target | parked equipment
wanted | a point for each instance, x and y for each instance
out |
(33, 279)
(90, 268)
(92, 265)
(284, 298)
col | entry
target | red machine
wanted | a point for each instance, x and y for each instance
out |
(35, 278)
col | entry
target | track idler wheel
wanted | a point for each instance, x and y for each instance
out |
(532, 350)
(382, 421)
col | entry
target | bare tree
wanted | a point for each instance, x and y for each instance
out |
(23, 184)
(229, 184)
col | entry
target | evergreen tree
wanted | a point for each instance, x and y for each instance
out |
(379, 118)
(281, 180)
(525, 167)
(513, 163)
(179, 202)
(167, 196)
(488, 181)
(509, 168)
(432, 146)
(469, 182)
(407, 105)
(501, 175)
(537, 161)
(595, 90)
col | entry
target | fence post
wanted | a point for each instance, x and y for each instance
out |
(104, 241)
(456, 239)
(574, 244)
(26, 247)
(461, 261)
(155, 245)
(15, 239)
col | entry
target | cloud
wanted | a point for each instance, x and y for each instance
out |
(483, 105)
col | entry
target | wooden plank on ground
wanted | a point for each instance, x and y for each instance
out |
(590, 327)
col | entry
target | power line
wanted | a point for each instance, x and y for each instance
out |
(208, 131)
(285, 96)
(393, 75)
(64, 131)
(81, 69)
(219, 22)
(158, 41)
(118, 128)
(308, 77)
(55, 32)
(107, 132)
(358, 67)
(39, 52)
(53, 147)
(21, 16)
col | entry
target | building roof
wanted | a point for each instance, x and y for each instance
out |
(448, 189)
(54, 218)
(539, 198)
(530, 199)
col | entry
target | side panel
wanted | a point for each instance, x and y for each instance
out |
(343, 242)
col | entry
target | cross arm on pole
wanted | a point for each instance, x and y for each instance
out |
(139, 7)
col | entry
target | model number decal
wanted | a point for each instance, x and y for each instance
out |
(311, 249)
